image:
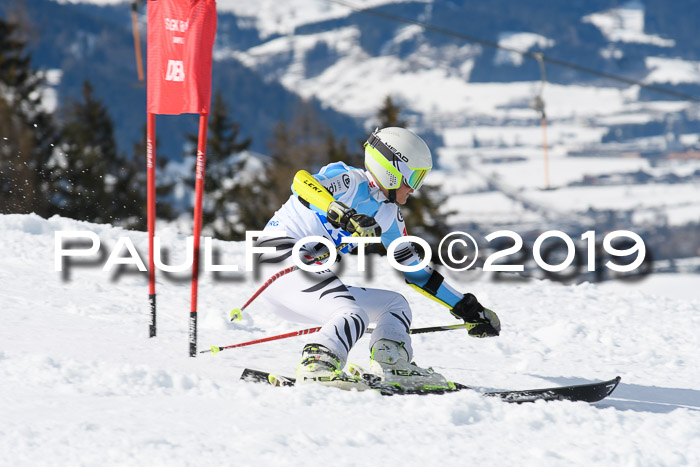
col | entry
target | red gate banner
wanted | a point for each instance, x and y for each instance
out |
(180, 43)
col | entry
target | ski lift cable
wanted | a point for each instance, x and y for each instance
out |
(534, 55)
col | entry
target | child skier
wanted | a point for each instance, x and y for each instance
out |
(365, 204)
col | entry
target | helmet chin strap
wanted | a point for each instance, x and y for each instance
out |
(392, 196)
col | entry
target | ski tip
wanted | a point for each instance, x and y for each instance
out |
(616, 383)
(236, 314)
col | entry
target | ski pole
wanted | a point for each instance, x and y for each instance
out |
(214, 349)
(448, 327)
(237, 313)
(301, 332)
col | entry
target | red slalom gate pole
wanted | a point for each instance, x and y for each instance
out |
(151, 217)
(199, 192)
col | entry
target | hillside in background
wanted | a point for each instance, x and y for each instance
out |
(303, 40)
(95, 43)
(350, 59)
(616, 152)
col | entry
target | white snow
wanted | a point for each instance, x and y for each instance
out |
(529, 174)
(82, 384)
(520, 42)
(487, 207)
(518, 135)
(49, 95)
(672, 70)
(666, 286)
(620, 197)
(467, 173)
(626, 24)
(649, 202)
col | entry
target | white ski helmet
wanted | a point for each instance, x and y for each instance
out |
(394, 155)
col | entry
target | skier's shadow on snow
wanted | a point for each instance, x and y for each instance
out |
(641, 398)
(68, 263)
(121, 271)
(225, 276)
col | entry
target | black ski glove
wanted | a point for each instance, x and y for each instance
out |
(344, 217)
(480, 321)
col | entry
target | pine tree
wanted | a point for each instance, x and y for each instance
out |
(304, 142)
(27, 132)
(138, 181)
(94, 182)
(253, 195)
(337, 150)
(389, 113)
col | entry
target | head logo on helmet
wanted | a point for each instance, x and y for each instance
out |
(396, 155)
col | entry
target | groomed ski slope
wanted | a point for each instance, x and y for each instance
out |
(81, 383)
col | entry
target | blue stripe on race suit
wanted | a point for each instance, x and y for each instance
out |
(332, 170)
(363, 202)
(420, 278)
(337, 178)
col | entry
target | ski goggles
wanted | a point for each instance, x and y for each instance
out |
(388, 159)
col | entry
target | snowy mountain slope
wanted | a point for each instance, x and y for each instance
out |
(82, 383)
(410, 52)
(472, 103)
(626, 24)
(93, 41)
(670, 70)
(272, 17)
(351, 61)
(479, 123)
(351, 64)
